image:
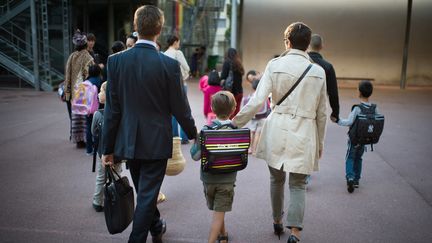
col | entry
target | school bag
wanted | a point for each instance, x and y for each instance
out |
(224, 150)
(85, 99)
(367, 127)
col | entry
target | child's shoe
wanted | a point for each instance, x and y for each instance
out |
(350, 186)
(356, 184)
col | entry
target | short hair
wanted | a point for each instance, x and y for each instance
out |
(213, 78)
(223, 104)
(118, 46)
(251, 72)
(94, 70)
(133, 37)
(148, 21)
(171, 39)
(91, 37)
(255, 84)
(365, 87)
(316, 42)
(299, 35)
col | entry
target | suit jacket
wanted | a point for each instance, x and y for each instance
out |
(332, 88)
(294, 131)
(144, 90)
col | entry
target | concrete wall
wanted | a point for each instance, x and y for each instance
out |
(362, 39)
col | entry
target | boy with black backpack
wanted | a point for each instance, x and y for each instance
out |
(366, 125)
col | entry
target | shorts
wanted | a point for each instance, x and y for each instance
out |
(255, 125)
(219, 197)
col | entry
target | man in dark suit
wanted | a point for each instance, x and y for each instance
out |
(316, 45)
(144, 90)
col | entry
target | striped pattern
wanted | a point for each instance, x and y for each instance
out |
(224, 150)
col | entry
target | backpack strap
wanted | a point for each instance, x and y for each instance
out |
(216, 125)
(354, 106)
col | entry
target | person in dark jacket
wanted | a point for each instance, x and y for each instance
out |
(232, 61)
(144, 90)
(332, 88)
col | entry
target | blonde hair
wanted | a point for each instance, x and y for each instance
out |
(103, 87)
(223, 104)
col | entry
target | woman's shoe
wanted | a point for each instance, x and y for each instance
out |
(293, 239)
(223, 238)
(278, 229)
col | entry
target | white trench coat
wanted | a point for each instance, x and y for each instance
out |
(294, 132)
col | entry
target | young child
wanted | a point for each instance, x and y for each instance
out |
(218, 188)
(255, 125)
(94, 78)
(212, 87)
(353, 163)
(96, 130)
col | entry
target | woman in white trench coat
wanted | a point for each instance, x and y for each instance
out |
(293, 136)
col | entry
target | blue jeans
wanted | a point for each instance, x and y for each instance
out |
(175, 124)
(353, 164)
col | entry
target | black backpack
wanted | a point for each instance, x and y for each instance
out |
(367, 127)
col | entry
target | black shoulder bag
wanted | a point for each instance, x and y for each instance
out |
(119, 202)
(228, 83)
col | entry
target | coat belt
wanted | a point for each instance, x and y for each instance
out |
(294, 111)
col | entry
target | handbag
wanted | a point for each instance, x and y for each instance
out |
(228, 84)
(118, 202)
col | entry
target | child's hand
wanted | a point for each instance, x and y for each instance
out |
(333, 119)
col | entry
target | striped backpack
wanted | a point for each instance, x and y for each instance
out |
(224, 148)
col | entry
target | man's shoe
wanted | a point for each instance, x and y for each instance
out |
(97, 208)
(185, 142)
(293, 239)
(158, 238)
(350, 186)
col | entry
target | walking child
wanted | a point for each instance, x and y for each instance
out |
(96, 129)
(218, 188)
(256, 124)
(213, 86)
(356, 148)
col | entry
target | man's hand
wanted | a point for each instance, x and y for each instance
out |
(108, 159)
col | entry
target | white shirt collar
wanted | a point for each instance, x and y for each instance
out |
(141, 41)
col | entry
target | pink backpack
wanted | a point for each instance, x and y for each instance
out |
(85, 101)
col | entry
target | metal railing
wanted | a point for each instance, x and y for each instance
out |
(16, 43)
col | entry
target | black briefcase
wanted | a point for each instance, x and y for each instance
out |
(119, 202)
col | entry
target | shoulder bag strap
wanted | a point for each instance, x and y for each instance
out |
(295, 85)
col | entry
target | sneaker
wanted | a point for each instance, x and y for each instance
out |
(98, 208)
(356, 184)
(350, 186)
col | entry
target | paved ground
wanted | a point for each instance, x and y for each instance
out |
(47, 184)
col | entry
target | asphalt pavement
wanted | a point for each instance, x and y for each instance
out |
(47, 185)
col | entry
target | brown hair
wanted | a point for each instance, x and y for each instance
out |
(233, 57)
(148, 21)
(223, 104)
(299, 35)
